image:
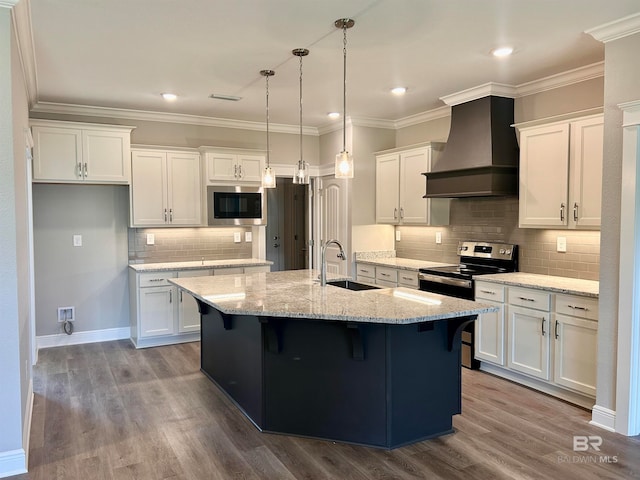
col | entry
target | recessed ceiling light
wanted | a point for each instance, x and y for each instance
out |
(170, 97)
(399, 90)
(333, 115)
(502, 51)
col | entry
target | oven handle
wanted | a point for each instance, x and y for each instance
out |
(445, 280)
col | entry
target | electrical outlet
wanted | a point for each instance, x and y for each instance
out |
(151, 239)
(398, 235)
(236, 237)
(247, 236)
(66, 314)
(438, 237)
(561, 244)
(77, 240)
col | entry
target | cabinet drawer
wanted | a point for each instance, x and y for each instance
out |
(365, 271)
(228, 271)
(527, 298)
(257, 269)
(387, 274)
(384, 283)
(407, 278)
(490, 291)
(156, 279)
(577, 306)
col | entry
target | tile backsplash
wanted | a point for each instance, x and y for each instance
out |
(496, 219)
(186, 244)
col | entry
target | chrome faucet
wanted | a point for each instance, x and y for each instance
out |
(323, 262)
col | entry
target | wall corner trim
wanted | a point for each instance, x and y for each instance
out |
(603, 418)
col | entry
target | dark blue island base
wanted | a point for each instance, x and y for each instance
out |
(374, 384)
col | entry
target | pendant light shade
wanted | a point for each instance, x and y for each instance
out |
(301, 175)
(268, 176)
(344, 160)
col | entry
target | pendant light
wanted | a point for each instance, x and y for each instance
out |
(268, 177)
(301, 175)
(344, 160)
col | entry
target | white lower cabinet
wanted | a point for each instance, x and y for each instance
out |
(157, 314)
(550, 339)
(387, 277)
(188, 313)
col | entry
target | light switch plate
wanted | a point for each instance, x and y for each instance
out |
(247, 236)
(438, 237)
(151, 239)
(398, 235)
(236, 237)
(561, 244)
(77, 240)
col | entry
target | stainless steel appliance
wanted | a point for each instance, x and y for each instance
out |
(236, 205)
(476, 258)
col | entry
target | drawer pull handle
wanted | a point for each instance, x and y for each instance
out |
(407, 278)
(385, 274)
(527, 299)
(488, 292)
(575, 307)
(364, 271)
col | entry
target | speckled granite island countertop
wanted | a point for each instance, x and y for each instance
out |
(572, 286)
(298, 294)
(196, 265)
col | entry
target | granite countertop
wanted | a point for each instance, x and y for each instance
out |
(402, 263)
(198, 264)
(298, 294)
(572, 286)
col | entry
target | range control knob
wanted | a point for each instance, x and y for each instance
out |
(502, 251)
(508, 252)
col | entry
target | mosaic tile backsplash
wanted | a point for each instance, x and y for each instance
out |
(187, 244)
(496, 219)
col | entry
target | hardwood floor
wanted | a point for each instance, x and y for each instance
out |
(109, 411)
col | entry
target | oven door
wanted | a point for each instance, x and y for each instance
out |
(452, 287)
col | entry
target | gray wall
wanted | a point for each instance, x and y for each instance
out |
(15, 374)
(622, 71)
(92, 278)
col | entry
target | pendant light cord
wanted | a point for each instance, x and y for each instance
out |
(344, 91)
(300, 161)
(267, 78)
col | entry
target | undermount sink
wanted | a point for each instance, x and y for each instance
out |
(351, 285)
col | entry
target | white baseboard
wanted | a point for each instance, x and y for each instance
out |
(12, 462)
(603, 418)
(76, 338)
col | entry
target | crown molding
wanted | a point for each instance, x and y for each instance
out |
(21, 19)
(473, 93)
(440, 112)
(357, 122)
(577, 75)
(127, 114)
(8, 3)
(623, 27)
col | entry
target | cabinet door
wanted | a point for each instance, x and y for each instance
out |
(149, 203)
(387, 189)
(188, 314)
(489, 335)
(106, 156)
(586, 172)
(221, 167)
(184, 188)
(413, 208)
(575, 353)
(250, 168)
(544, 176)
(529, 341)
(157, 306)
(57, 155)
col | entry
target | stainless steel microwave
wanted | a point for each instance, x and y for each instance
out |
(239, 205)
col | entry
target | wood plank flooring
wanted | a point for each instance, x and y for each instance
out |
(109, 411)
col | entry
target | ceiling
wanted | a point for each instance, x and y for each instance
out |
(124, 53)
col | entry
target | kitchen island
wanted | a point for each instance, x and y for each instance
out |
(378, 367)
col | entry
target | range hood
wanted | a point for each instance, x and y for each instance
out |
(481, 156)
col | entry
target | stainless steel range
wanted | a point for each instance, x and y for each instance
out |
(476, 258)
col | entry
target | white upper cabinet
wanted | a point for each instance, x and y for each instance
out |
(400, 187)
(561, 174)
(165, 188)
(232, 167)
(69, 152)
